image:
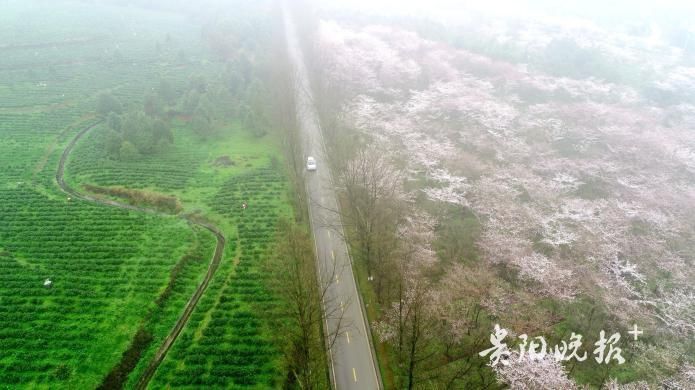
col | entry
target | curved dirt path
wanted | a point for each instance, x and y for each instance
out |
(191, 304)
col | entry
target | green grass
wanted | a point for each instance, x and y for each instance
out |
(227, 341)
(186, 169)
(117, 273)
(109, 266)
(185, 277)
(73, 50)
(373, 310)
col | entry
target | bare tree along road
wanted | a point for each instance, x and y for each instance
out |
(352, 355)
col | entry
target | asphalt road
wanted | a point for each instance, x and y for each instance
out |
(352, 356)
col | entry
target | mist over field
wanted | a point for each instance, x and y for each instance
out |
(347, 194)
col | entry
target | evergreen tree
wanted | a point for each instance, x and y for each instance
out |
(107, 103)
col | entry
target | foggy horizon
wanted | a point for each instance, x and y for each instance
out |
(350, 195)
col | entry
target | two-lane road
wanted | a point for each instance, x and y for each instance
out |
(352, 359)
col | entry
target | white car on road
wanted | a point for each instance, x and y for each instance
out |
(310, 164)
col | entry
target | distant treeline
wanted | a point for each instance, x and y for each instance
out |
(200, 8)
(236, 91)
(136, 131)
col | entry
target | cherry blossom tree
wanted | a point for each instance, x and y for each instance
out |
(526, 373)
(582, 186)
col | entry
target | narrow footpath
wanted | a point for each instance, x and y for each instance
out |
(200, 290)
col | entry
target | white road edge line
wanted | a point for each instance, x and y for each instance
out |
(364, 328)
(290, 24)
(323, 302)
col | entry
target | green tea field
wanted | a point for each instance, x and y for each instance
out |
(226, 341)
(94, 284)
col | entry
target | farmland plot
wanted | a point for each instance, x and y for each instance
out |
(227, 340)
(119, 280)
(112, 272)
(106, 266)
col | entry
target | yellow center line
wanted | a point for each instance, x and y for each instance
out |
(332, 255)
(354, 374)
(347, 334)
(341, 306)
(329, 234)
(336, 279)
